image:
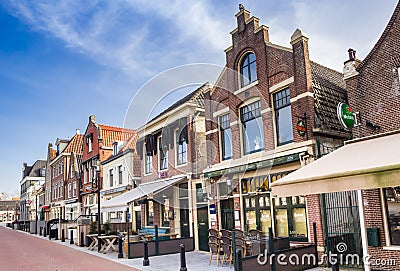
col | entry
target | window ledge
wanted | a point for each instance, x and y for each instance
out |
(181, 165)
(391, 248)
(240, 90)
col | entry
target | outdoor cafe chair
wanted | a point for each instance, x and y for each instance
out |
(214, 250)
(226, 233)
(226, 246)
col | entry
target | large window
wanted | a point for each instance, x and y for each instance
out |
(392, 196)
(283, 117)
(181, 149)
(248, 70)
(226, 137)
(290, 218)
(163, 150)
(148, 162)
(111, 178)
(252, 128)
(257, 208)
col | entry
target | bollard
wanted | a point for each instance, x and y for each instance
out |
(40, 231)
(120, 254)
(82, 242)
(183, 258)
(71, 239)
(49, 233)
(62, 236)
(44, 232)
(146, 261)
(335, 265)
(238, 262)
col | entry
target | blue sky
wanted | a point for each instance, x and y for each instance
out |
(61, 61)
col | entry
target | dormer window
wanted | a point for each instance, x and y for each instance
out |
(115, 148)
(248, 70)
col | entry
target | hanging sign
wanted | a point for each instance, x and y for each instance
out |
(345, 115)
(301, 128)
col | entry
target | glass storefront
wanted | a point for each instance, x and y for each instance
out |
(392, 196)
(289, 213)
(290, 218)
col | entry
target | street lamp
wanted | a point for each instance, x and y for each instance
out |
(96, 184)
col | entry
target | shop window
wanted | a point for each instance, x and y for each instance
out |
(252, 128)
(226, 137)
(248, 70)
(283, 117)
(290, 218)
(392, 198)
(150, 213)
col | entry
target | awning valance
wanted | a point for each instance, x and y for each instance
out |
(367, 163)
(119, 203)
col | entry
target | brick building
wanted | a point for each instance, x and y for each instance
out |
(363, 177)
(97, 147)
(73, 155)
(272, 111)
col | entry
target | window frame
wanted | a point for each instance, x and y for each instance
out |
(120, 177)
(148, 162)
(111, 177)
(250, 117)
(163, 156)
(224, 126)
(181, 149)
(278, 105)
(247, 64)
(386, 218)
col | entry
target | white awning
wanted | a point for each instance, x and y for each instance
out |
(119, 203)
(367, 163)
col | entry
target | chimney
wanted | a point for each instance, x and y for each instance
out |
(78, 131)
(349, 69)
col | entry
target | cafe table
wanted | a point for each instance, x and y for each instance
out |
(95, 241)
(108, 243)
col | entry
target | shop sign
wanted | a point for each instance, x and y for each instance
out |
(346, 115)
(301, 128)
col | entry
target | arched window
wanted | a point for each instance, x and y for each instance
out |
(248, 70)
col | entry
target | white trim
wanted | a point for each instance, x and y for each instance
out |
(303, 95)
(279, 46)
(212, 131)
(220, 112)
(362, 227)
(396, 248)
(384, 217)
(281, 85)
(240, 90)
(266, 110)
(233, 123)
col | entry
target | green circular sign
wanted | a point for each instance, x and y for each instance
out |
(345, 115)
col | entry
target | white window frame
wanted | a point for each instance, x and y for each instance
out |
(177, 151)
(147, 171)
(159, 141)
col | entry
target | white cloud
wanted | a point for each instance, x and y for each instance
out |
(128, 35)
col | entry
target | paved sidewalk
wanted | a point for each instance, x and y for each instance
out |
(195, 260)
